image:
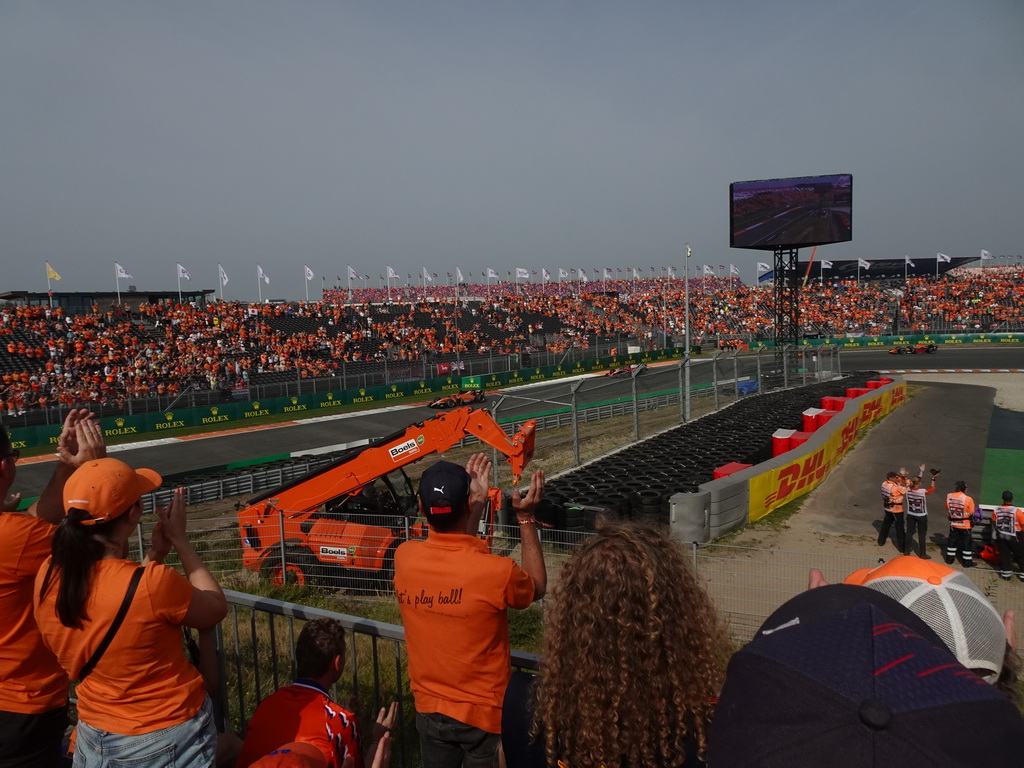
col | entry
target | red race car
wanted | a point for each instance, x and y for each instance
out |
(463, 397)
(627, 370)
(921, 348)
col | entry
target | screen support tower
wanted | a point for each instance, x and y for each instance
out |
(787, 299)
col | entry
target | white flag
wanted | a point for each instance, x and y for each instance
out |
(826, 264)
(121, 273)
(607, 274)
(520, 272)
(352, 274)
(762, 267)
(223, 275)
(261, 275)
(562, 273)
(458, 276)
(733, 270)
(709, 270)
(864, 263)
(426, 276)
(689, 251)
(908, 261)
(943, 258)
(985, 255)
(583, 275)
(392, 274)
(309, 272)
(183, 273)
(672, 271)
(491, 274)
(545, 274)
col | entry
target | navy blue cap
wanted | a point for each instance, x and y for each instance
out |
(444, 489)
(837, 680)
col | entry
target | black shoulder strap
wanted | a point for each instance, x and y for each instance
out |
(115, 625)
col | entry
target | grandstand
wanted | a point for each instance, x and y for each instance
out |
(141, 355)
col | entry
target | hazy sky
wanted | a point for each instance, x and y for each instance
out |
(475, 133)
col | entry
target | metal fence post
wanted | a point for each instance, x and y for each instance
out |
(785, 366)
(636, 404)
(760, 383)
(284, 563)
(686, 377)
(574, 387)
(736, 371)
(803, 362)
(714, 376)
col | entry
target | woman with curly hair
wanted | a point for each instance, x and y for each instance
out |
(631, 664)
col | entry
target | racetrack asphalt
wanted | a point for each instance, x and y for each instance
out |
(945, 426)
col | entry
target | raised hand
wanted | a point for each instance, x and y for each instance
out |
(524, 505)
(479, 469)
(81, 439)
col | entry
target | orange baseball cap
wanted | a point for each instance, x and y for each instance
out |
(107, 488)
(296, 754)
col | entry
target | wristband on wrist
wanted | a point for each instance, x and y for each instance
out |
(527, 520)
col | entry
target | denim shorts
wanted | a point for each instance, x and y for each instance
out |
(192, 744)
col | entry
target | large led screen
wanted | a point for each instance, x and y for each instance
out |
(791, 213)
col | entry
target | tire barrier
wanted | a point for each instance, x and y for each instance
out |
(669, 478)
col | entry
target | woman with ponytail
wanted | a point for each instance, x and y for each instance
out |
(139, 699)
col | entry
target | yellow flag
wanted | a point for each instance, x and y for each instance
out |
(51, 273)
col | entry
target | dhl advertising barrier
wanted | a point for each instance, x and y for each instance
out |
(781, 484)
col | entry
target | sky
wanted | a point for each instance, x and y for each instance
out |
(475, 133)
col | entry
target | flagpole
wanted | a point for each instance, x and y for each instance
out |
(179, 283)
(49, 292)
(348, 278)
(259, 283)
(117, 282)
(905, 257)
(305, 279)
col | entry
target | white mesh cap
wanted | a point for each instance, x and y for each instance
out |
(951, 605)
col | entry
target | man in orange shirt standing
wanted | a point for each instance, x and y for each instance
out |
(454, 597)
(33, 687)
(961, 517)
(893, 491)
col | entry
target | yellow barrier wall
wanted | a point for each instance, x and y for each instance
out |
(775, 487)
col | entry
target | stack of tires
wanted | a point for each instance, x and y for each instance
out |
(638, 482)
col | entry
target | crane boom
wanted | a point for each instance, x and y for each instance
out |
(360, 466)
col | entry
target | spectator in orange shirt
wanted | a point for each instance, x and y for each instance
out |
(454, 597)
(33, 687)
(305, 712)
(139, 701)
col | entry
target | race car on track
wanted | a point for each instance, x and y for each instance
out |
(921, 348)
(463, 397)
(626, 370)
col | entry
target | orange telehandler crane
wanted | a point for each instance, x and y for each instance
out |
(340, 524)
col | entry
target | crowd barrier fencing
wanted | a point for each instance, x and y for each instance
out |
(256, 642)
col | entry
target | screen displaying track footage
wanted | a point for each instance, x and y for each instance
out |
(791, 213)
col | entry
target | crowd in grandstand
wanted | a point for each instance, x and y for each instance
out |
(115, 353)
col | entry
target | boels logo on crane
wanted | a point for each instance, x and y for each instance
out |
(409, 446)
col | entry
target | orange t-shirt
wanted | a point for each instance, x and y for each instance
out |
(302, 712)
(31, 680)
(454, 597)
(143, 682)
